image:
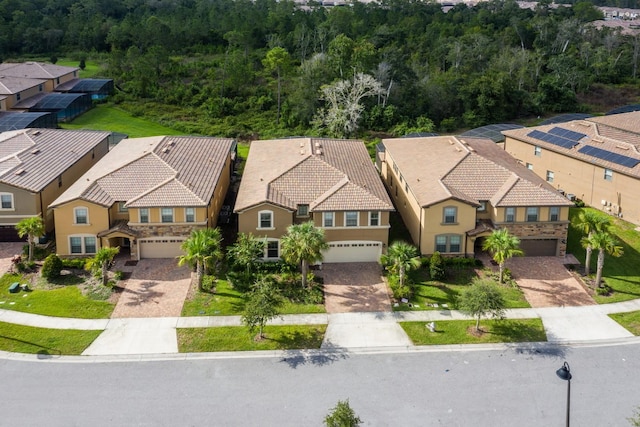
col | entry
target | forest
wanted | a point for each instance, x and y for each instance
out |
(267, 68)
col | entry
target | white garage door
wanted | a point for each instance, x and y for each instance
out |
(161, 248)
(353, 251)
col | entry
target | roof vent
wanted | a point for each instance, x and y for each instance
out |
(318, 152)
(301, 152)
(598, 139)
(165, 150)
(171, 143)
(36, 133)
(301, 144)
(622, 147)
(19, 172)
(35, 151)
(317, 144)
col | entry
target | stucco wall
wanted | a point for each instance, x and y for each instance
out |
(98, 220)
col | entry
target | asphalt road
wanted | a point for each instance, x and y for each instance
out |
(513, 387)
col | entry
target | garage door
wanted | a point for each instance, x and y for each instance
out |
(353, 251)
(160, 248)
(8, 233)
(542, 247)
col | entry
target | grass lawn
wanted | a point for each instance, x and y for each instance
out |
(623, 273)
(238, 338)
(630, 321)
(227, 301)
(429, 292)
(109, 118)
(26, 339)
(65, 301)
(455, 331)
(92, 69)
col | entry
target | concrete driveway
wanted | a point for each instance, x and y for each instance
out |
(546, 282)
(7, 251)
(354, 287)
(156, 288)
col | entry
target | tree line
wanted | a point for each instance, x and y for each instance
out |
(267, 68)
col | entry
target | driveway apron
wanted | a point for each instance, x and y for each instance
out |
(7, 252)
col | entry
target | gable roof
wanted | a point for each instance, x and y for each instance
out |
(11, 85)
(31, 158)
(326, 174)
(618, 134)
(35, 70)
(470, 170)
(154, 171)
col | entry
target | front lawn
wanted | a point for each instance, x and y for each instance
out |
(429, 292)
(238, 338)
(630, 321)
(55, 342)
(621, 274)
(457, 331)
(64, 301)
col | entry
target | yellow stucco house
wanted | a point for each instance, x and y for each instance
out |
(452, 192)
(37, 166)
(596, 159)
(51, 75)
(331, 182)
(145, 196)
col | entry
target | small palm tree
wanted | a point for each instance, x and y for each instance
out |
(31, 227)
(303, 244)
(101, 261)
(401, 257)
(502, 245)
(588, 222)
(603, 242)
(201, 249)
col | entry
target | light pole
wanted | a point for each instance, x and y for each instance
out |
(564, 373)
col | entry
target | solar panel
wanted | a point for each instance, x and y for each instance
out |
(563, 118)
(566, 133)
(609, 156)
(553, 139)
(625, 109)
(492, 132)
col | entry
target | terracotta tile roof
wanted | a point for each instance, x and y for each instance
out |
(154, 171)
(618, 133)
(326, 174)
(119, 226)
(32, 158)
(471, 170)
(35, 70)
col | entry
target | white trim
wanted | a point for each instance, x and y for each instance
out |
(140, 216)
(75, 216)
(357, 219)
(271, 218)
(379, 218)
(13, 202)
(173, 216)
(363, 227)
(333, 220)
(265, 256)
(194, 215)
(83, 244)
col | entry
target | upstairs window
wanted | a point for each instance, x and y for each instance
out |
(530, 166)
(537, 151)
(303, 210)
(351, 219)
(608, 175)
(554, 213)
(482, 207)
(509, 214)
(6, 201)
(450, 215)
(166, 214)
(374, 219)
(144, 215)
(81, 215)
(122, 208)
(189, 214)
(532, 214)
(328, 219)
(550, 176)
(265, 219)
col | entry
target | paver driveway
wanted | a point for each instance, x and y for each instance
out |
(352, 287)
(546, 282)
(7, 251)
(156, 288)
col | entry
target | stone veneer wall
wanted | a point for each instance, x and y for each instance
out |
(541, 230)
(173, 230)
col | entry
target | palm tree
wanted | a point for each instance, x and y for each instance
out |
(31, 227)
(602, 241)
(201, 249)
(401, 257)
(102, 260)
(502, 245)
(588, 222)
(303, 244)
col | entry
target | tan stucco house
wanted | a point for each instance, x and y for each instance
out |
(452, 192)
(146, 196)
(37, 166)
(328, 181)
(51, 74)
(17, 89)
(596, 160)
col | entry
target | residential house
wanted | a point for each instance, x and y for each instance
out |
(37, 166)
(16, 89)
(328, 181)
(452, 192)
(145, 196)
(596, 160)
(52, 75)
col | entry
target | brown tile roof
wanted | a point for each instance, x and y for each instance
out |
(119, 226)
(32, 158)
(35, 70)
(326, 174)
(155, 171)
(470, 170)
(618, 133)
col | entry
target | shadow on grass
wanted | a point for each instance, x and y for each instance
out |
(43, 353)
(514, 331)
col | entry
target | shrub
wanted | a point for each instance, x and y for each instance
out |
(118, 275)
(209, 283)
(436, 266)
(77, 263)
(398, 291)
(51, 267)
(603, 290)
(342, 416)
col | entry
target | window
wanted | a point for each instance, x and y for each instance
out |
(189, 214)
(530, 166)
(57, 80)
(406, 187)
(82, 244)
(121, 207)
(6, 201)
(328, 219)
(550, 176)
(509, 214)
(482, 207)
(374, 219)
(390, 181)
(81, 215)
(532, 214)
(554, 213)
(303, 210)
(395, 168)
(40, 87)
(272, 249)
(265, 219)
(448, 243)
(144, 215)
(351, 219)
(59, 180)
(608, 174)
(166, 214)
(17, 97)
(537, 151)
(449, 215)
